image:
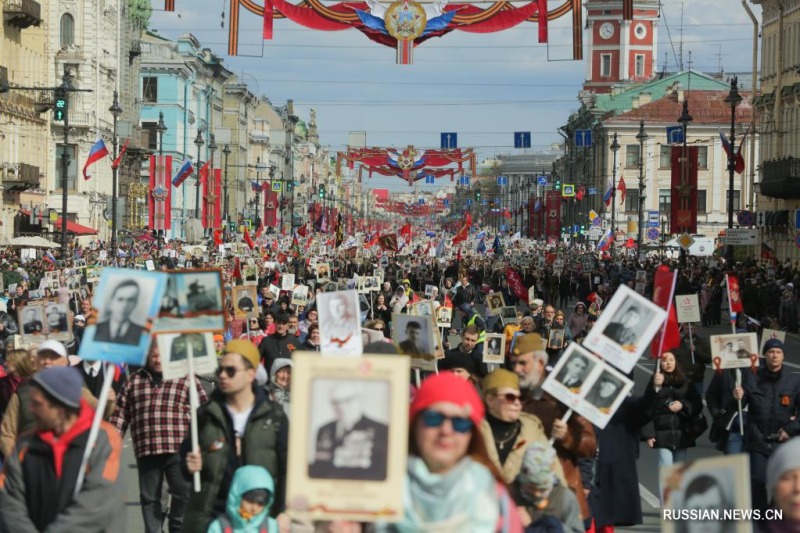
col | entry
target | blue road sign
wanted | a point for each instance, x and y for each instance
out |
(541, 180)
(446, 202)
(464, 180)
(469, 201)
(674, 134)
(430, 179)
(522, 139)
(591, 191)
(653, 234)
(583, 138)
(502, 180)
(597, 222)
(449, 140)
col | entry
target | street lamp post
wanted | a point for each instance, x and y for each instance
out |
(116, 112)
(614, 148)
(684, 191)
(160, 222)
(226, 152)
(212, 147)
(65, 87)
(199, 142)
(733, 99)
(641, 137)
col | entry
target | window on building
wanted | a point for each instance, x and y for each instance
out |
(67, 35)
(702, 157)
(632, 156)
(605, 65)
(736, 200)
(150, 135)
(701, 201)
(665, 201)
(638, 66)
(72, 167)
(632, 200)
(665, 161)
(150, 89)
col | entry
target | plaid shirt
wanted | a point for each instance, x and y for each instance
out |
(157, 413)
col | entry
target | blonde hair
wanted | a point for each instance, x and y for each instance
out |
(24, 366)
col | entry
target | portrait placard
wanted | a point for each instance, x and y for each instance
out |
(628, 324)
(495, 302)
(287, 282)
(555, 339)
(57, 324)
(494, 349)
(119, 330)
(174, 349)
(31, 322)
(687, 307)
(245, 301)
(323, 271)
(300, 295)
(422, 308)
(250, 274)
(736, 350)
(508, 315)
(339, 323)
(413, 336)
(429, 290)
(444, 317)
(703, 489)
(193, 301)
(359, 475)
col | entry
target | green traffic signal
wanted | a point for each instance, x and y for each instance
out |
(322, 192)
(557, 185)
(60, 106)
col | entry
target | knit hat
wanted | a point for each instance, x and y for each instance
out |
(784, 459)
(52, 346)
(530, 342)
(537, 465)
(447, 387)
(282, 318)
(63, 383)
(453, 362)
(246, 349)
(500, 379)
(770, 344)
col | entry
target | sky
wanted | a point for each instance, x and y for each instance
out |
(482, 86)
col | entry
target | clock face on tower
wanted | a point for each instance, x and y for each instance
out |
(606, 30)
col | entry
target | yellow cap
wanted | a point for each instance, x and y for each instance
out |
(530, 342)
(500, 379)
(246, 349)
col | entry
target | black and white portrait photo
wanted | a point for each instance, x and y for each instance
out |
(124, 314)
(555, 339)
(56, 318)
(605, 391)
(169, 303)
(202, 290)
(300, 295)
(734, 350)
(494, 349)
(349, 424)
(323, 271)
(413, 336)
(423, 308)
(287, 282)
(495, 302)
(574, 372)
(174, 350)
(32, 319)
(244, 301)
(444, 317)
(250, 274)
(508, 315)
(339, 323)
(626, 324)
(180, 346)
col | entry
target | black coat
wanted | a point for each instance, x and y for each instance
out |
(668, 428)
(722, 406)
(774, 399)
(614, 496)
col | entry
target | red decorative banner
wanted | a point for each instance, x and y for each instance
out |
(683, 210)
(159, 200)
(552, 214)
(516, 285)
(212, 184)
(734, 294)
(663, 291)
(271, 209)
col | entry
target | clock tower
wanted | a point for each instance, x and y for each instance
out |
(621, 42)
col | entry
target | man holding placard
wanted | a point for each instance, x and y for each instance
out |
(238, 426)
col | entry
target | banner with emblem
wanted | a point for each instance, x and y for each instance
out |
(683, 206)
(552, 214)
(160, 198)
(270, 209)
(212, 189)
(356, 410)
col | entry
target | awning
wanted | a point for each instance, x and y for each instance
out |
(72, 227)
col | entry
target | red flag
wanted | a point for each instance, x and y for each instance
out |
(448, 302)
(405, 231)
(468, 220)
(622, 189)
(115, 164)
(734, 295)
(302, 231)
(217, 237)
(248, 240)
(516, 285)
(461, 236)
(663, 291)
(237, 269)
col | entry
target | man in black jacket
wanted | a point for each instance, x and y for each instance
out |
(774, 398)
(278, 345)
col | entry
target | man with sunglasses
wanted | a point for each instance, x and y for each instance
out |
(150, 405)
(239, 426)
(280, 344)
(574, 439)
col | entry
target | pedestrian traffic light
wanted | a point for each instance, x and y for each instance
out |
(477, 195)
(60, 106)
(557, 185)
(232, 226)
(322, 192)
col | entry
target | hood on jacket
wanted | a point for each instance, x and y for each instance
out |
(280, 362)
(247, 478)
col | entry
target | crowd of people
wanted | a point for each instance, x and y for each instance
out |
(488, 449)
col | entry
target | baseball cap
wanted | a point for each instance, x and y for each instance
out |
(52, 346)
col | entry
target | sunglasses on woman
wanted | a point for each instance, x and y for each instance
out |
(229, 371)
(434, 419)
(510, 397)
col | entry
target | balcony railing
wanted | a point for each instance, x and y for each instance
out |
(21, 177)
(22, 13)
(260, 137)
(780, 178)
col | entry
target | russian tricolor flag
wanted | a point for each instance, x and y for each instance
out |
(605, 241)
(184, 172)
(98, 152)
(607, 195)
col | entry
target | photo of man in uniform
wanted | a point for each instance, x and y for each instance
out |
(245, 303)
(56, 320)
(414, 343)
(118, 328)
(180, 351)
(623, 330)
(31, 322)
(604, 391)
(200, 298)
(353, 446)
(574, 372)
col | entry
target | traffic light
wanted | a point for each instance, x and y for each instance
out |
(477, 195)
(232, 226)
(322, 192)
(60, 106)
(557, 185)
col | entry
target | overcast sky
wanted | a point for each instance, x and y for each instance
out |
(483, 86)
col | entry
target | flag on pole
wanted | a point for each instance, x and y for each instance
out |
(537, 206)
(622, 189)
(605, 241)
(248, 240)
(184, 172)
(734, 295)
(481, 249)
(461, 236)
(115, 165)
(607, 195)
(440, 248)
(97, 152)
(497, 247)
(405, 231)
(481, 235)
(663, 291)
(738, 158)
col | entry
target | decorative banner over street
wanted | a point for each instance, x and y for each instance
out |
(411, 164)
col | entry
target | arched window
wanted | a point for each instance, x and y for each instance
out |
(67, 30)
